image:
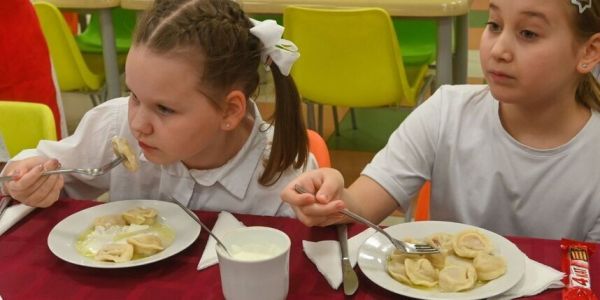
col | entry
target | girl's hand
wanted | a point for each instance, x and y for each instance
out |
(31, 188)
(320, 204)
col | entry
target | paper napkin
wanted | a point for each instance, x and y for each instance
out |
(537, 278)
(225, 222)
(12, 215)
(326, 255)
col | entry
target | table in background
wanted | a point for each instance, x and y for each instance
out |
(30, 271)
(109, 48)
(449, 70)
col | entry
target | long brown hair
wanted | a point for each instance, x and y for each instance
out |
(586, 25)
(215, 34)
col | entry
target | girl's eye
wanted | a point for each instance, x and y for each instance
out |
(164, 110)
(493, 26)
(528, 35)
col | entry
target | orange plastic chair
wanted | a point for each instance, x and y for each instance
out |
(422, 206)
(318, 147)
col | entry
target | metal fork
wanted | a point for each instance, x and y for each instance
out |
(195, 217)
(89, 171)
(400, 245)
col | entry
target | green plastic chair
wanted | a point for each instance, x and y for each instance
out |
(24, 124)
(90, 40)
(418, 39)
(350, 57)
(72, 72)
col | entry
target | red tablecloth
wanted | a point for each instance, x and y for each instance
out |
(28, 270)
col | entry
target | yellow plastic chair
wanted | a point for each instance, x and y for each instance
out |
(350, 57)
(72, 71)
(24, 124)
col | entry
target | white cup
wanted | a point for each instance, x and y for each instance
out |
(258, 267)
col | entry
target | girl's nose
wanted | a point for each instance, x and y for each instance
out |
(502, 47)
(140, 121)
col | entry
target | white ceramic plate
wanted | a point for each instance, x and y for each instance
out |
(63, 237)
(373, 254)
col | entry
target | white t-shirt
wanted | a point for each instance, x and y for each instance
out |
(232, 187)
(482, 176)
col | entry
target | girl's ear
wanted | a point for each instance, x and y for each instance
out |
(591, 54)
(234, 110)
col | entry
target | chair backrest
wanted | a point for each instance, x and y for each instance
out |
(422, 205)
(24, 124)
(72, 72)
(348, 57)
(124, 20)
(418, 39)
(318, 147)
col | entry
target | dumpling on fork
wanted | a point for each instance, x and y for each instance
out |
(121, 148)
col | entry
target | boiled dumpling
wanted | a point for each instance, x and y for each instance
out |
(398, 271)
(401, 256)
(443, 242)
(109, 220)
(140, 216)
(489, 266)
(457, 260)
(470, 243)
(115, 253)
(121, 148)
(457, 277)
(146, 244)
(421, 272)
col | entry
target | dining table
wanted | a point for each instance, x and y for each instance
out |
(29, 270)
(451, 62)
(109, 48)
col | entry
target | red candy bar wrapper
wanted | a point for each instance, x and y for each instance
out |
(575, 264)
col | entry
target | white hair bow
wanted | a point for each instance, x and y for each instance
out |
(282, 52)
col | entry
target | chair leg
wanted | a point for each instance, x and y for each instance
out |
(353, 118)
(320, 121)
(95, 100)
(310, 116)
(335, 120)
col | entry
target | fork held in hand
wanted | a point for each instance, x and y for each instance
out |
(401, 245)
(89, 171)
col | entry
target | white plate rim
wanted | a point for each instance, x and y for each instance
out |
(63, 236)
(378, 247)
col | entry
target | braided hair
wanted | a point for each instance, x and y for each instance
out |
(214, 34)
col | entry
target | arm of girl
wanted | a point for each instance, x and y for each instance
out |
(326, 196)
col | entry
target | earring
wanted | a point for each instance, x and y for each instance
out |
(584, 65)
(227, 125)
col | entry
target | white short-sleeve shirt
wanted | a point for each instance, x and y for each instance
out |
(232, 187)
(482, 176)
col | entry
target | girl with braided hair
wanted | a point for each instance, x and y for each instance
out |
(193, 70)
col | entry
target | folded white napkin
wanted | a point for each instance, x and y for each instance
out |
(225, 222)
(12, 215)
(326, 255)
(537, 278)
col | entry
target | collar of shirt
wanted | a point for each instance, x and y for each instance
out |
(236, 174)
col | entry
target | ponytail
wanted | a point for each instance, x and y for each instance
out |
(290, 140)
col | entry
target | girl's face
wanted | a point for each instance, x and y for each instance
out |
(528, 52)
(168, 116)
